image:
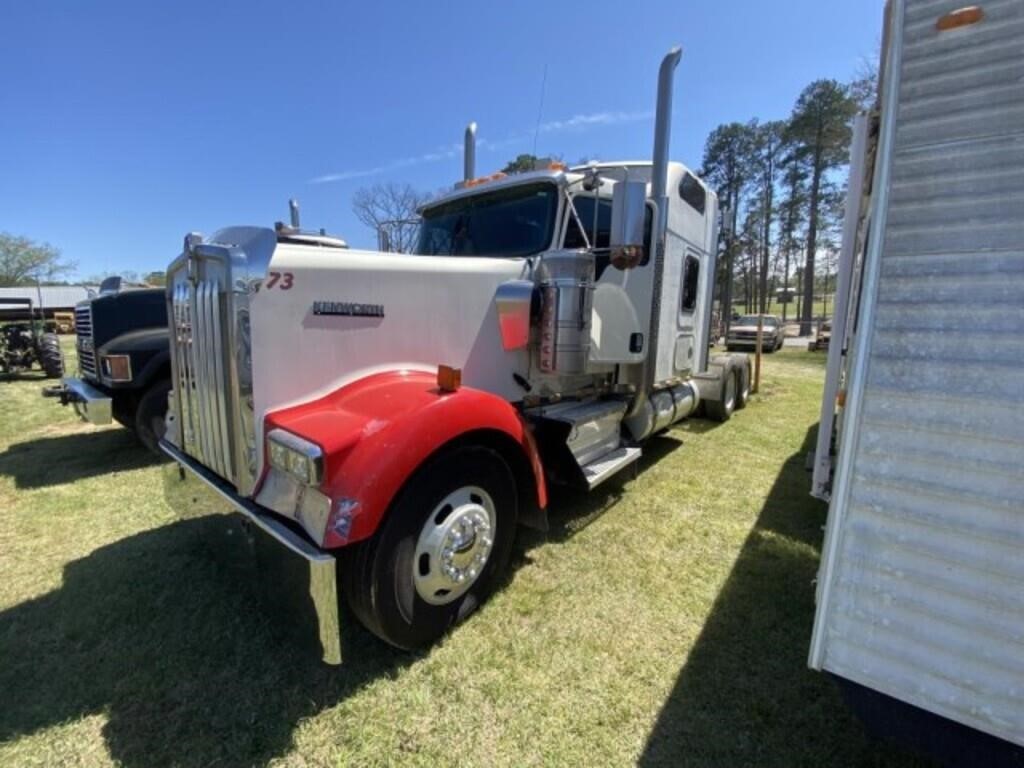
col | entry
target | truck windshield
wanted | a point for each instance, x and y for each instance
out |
(509, 222)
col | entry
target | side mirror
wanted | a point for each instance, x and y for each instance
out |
(629, 201)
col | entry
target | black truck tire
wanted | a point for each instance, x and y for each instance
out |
(150, 414)
(743, 380)
(51, 359)
(721, 410)
(383, 577)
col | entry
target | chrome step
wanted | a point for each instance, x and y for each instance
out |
(601, 469)
(594, 427)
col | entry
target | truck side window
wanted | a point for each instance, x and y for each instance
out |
(691, 275)
(585, 210)
(693, 193)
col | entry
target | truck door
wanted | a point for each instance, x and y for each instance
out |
(618, 323)
(685, 353)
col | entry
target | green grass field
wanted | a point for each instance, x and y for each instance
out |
(663, 620)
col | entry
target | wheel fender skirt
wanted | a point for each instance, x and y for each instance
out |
(375, 432)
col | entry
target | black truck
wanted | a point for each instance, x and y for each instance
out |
(124, 368)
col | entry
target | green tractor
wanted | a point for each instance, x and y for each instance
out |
(23, 344)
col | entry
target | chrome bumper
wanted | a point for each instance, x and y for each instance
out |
(90, 403)
(301, 576)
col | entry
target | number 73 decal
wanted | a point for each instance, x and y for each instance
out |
(281, 280)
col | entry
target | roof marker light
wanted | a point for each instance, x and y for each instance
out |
(961, 17)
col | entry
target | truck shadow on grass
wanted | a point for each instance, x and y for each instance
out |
(158, 632)
(745, 695)
(570, 510)
(45, 461)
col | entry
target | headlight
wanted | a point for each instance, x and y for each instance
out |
(300, 458)
(117, 367)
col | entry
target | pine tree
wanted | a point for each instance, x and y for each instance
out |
(726, 167)
(819, 129)
(792, 214)
(766, 150)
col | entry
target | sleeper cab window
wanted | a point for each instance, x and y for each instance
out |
(693, 193)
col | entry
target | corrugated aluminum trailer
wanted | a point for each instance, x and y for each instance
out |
(920, 594)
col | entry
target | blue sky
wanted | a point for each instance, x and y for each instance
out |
(125, 125)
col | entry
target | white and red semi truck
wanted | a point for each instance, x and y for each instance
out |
(388, 419)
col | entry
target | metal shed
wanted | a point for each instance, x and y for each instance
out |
(921, 587)
(54, 298)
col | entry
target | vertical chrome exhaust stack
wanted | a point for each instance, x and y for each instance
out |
(662, 134)
(659, 193)
(293, 208)
(469, 153)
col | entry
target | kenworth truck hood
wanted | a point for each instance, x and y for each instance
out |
(323, 318)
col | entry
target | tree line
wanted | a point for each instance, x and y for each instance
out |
(782, 192)
(27, 262)
(780, 185)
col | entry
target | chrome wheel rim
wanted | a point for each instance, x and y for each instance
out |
(454, 545)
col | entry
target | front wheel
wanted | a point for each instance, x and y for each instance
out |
(150, 415)
(439, 553)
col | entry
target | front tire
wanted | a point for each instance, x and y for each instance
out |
(440, 551)
(150, 415)
(51, 359)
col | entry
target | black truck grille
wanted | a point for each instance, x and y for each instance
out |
(84, 345)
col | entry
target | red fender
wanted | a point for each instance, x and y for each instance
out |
(377, 431)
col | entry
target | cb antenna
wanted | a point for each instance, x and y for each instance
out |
(540, 108)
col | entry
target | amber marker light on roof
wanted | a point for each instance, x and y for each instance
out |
(961, 17)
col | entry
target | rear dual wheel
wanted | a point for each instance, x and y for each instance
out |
(721, 409)
(439, 553)
(741, 369)
(734, 392)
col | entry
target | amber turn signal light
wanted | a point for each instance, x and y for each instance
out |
(961, 17)
(448, 379)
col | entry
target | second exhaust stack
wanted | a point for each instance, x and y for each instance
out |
(469, 153)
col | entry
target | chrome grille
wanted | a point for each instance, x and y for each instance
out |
(200, 384)
(84, 344)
